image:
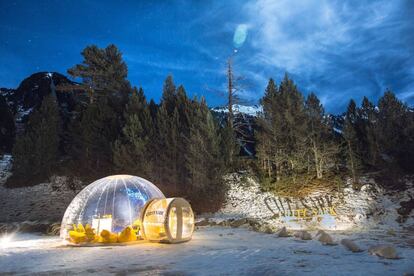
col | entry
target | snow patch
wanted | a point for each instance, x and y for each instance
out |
(22, 113)
(245, 109)
(337, 130)
(5, 167)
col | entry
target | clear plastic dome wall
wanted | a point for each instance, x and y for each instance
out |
(111, 203)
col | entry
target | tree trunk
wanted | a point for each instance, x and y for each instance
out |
(230, 105)
(269, 170)
(351, 160)
(318, 166)
(230, 92)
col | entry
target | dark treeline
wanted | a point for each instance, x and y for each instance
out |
(177, 143)
(297, 142)
(180, 146)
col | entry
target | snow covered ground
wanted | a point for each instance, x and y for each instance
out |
(213, 251)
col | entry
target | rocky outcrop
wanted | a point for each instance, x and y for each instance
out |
(31, 91)
(371, 206)
(42, 202)
(34, 88)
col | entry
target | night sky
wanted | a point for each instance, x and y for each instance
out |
(339, 50)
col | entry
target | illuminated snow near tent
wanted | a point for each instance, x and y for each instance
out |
(110, 203)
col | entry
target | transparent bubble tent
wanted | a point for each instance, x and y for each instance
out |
(112, 209)
(110, 203)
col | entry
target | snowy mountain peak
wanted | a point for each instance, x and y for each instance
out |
(251, 110)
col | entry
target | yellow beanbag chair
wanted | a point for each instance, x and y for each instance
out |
(90, 234)
(78, 235)
(108, 237)
(127, 235)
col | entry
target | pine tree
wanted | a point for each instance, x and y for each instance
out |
(169, 92)
(102, 72)
(406, 153)
(367, 126)
(203, 160)
(7, 127)
(166, 148)
(267, 136)
(390, 115)
(36, 152)
(322, 147)
(351, 143)
(229, 147)
(131, 151)
(292, 129)
(152, 106)
(282, 134)
(97, 125)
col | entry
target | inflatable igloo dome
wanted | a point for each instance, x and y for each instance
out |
(111, 203)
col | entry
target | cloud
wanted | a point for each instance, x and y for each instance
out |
(337, 49)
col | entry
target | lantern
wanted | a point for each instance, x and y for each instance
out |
(168, 220)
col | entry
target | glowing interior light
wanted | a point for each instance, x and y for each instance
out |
(100, 224)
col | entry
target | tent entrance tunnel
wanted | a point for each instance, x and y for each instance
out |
(167, 220)
(125, 208)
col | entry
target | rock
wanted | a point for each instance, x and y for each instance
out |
(252, 221)
(203, 222)
(384, 251)
(238, 222)
(224, 223)
(303, 235)
(405, 209)
(325, 238)
(262, 228)
(350, 245)
(282, 233)
(267, 229)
